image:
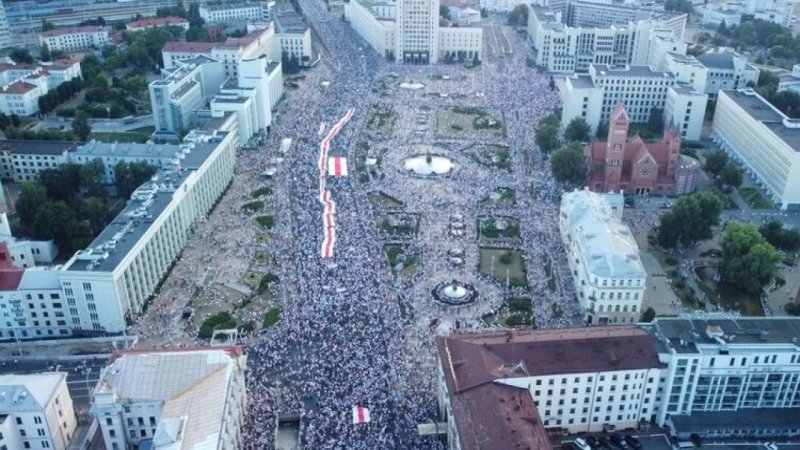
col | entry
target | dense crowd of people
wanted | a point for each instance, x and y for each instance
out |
(341, 340)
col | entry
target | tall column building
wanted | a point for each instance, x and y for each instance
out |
(416, 31)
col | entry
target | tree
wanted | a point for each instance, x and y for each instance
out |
(32, 195)
(518, 16)
(730, 176)
(21, 56)
(93, 209)
(45, 53)
(689, 220)
(57, 221)
(577, 130)
(602, 130)
(648, 315)
(62, 182)
(444, 12)
(569, 165)
(47, 26)
(129, 176)
(655, 123)
(81, 127)
(748, 261)
(722, 28)
(91, 176)
(546, 138)
(787, 239)
(715, 162)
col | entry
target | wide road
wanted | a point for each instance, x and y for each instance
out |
(82, 376)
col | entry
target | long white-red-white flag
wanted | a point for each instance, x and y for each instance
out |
(337, 166)
(360, 415)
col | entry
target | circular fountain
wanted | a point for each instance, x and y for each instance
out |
(454, 293)
(428, 165)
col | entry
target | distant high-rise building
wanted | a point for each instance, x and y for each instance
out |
(5, 35)
(416, 30)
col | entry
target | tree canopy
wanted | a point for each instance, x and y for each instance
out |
(689, 220)
(129, 176)
(777, 235)
(569, 165)
(578, 131)
(518, 16)
(748, 260)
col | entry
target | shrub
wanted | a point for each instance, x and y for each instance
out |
(519, 304)
(253, 206)
(265, 221)
(671, 261)
(506, 258)
(266, 281)
(221, 320)
(515, 320)
(271, 318)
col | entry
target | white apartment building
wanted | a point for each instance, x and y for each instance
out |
(727, 69)
(603, 257)
(408, 31)
(243, 104)
(791, 81)
(501, 6)
(76, 38)
(641, 89)
(25, 253)
(156, 22)
(733, 12)
(36, 412)
(252, 11)
(183, 89)
(579, 380)
(729, 377)
(5, 33)
(293, 33)
(117, 273)
(600, 34)
(22, 160)
(186, 399)
(23, 84)
(763, 140)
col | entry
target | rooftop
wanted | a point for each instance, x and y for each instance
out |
(189, 47)
(28, 393)
(685, 334)
(762, 111)
(193, 384)
(148, 152)
(629, 71)
(53, 148)
(608, 246)
(71, 30)
(149, 201)
(18, 87)
(156, 21)
(717, 60)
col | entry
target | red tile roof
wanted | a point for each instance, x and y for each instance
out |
(19, 87)
(156, 21)
(60, 31)
(189, 47)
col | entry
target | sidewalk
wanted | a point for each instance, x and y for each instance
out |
(65, 349)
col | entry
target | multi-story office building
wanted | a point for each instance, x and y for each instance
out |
(187, 399)
(711, 72)
(603, 257)
(609, 36)
(76, 38)
(23, 84)
(641, 89)
(5, 34)
(112, 278)
(711, 375)
(408, 31)
(156, 22)
(183, 89)
(729, 376)
(22, 160)
(503, 390)
(763, 140)
(293, 33)
(253, 11)
(36, 412)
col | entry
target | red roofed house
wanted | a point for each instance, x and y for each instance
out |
(508, 390)
(636, 166)
(21, 85)
(75, 38)
(156, 22)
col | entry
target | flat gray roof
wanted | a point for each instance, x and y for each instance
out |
(761, 110)
(717, 60)
(23, 147)
(631, 71)
(684, 334)
(140, 212)
(582, 81)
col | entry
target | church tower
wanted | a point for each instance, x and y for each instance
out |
(618, 123)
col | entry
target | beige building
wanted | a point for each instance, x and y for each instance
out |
(36, 412)
(77, 38)
(184, 399)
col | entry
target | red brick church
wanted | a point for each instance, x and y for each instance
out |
(638, 167)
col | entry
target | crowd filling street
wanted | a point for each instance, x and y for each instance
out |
(351, 331)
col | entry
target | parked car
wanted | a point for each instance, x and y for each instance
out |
(633, 442)
(618, 441)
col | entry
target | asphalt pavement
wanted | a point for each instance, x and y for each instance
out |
(82, 376)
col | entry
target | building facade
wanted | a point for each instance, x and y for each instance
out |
(76, 38)
(763, 140)
(635, 166)
(642, 89)
(152, 399)
(252, 11)
(408, 31)
(183, 89)
(21, 85)
(156, 22)
(36, 412)
(610, 280)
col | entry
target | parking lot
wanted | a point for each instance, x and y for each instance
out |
(648, 442)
